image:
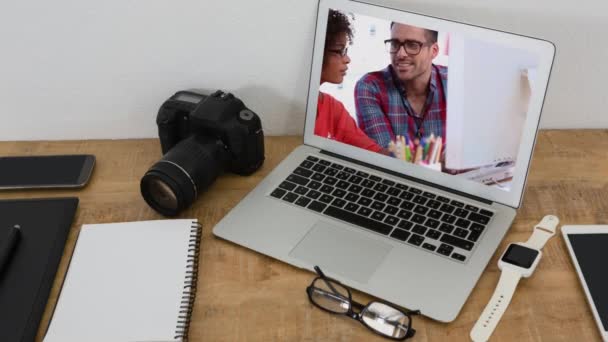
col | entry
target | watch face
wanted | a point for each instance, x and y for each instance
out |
(520, 256)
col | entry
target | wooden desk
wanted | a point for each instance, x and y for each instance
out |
(246, 296)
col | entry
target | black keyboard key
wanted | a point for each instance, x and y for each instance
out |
(300, 171)
(420, 200)
(486, 213)
(474, 236)
(418, 229)
(393, 191)
(448, 209)
(364, 201)
(337, 166)
(324, 162)
(339, 203)
(342, 185)
(421, 210)
(404, 214)
(307, 164)
(339, 193)
(400, 234)
(418, 218)
(375, 178)
(443, 199)
(457, 203)
(368, 193)
(458, 257)
(416, 240)
(471, 208)
(461, 213)
(326, 198)
(368, 183)
(349, 170)
(364, 211)
(355, 189)
(317, 206)
(401, 186)
(407, 225)
(287, 186)
(445, 249)
(433, 234)
(303, 201)
(448, 218)
(362, 174)
(278, 193)
(392, 220)
(352, 207)
(330, 181)
(355, 219)
(343, 175)
(314, 185)
(326, 189)
(378, 216)
(290, 197)
(317, 177)
(461, 232)
(476, 227)
(378, 205)
(301, 190)
(407, 205)
(297, 179)
(415, 191)
(331, 172)
(313, 194)
(355, 179)
(380, 197)
(462, 223)
(446, 228)
(393, 201)
(479, 218)
(428, 195)
(380, 187)
(458, 242)
(433, 204)
(406, 196)
(319, 168)
(388, 182)
(351, 197)
(429, 247)
(313, 159)
(391, 210)
(435, 214)
(432, 223)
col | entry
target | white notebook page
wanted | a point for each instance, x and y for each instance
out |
(124, 283)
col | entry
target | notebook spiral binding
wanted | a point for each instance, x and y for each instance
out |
(190, 280)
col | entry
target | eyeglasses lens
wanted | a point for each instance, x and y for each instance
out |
(386, 320)
(330, 296)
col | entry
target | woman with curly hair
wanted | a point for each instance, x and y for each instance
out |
(333, 120)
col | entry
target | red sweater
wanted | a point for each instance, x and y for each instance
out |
(334, 122)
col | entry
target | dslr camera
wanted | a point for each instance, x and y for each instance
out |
(200, 136)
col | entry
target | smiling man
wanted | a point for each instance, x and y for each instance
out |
(408, 97)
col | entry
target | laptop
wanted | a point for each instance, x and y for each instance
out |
(413, 228)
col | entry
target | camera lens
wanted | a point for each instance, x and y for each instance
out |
(173, 183)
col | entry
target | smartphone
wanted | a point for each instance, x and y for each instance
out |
(35, 172)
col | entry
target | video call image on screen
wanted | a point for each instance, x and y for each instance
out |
(385, 85)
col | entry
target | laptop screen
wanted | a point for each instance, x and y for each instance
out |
(441, 100)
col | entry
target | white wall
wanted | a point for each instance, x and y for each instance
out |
(82, 69)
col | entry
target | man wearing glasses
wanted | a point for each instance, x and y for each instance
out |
(407, 98)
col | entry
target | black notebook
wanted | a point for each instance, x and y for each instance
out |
(26, 281)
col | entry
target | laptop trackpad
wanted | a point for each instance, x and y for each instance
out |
(341, 251)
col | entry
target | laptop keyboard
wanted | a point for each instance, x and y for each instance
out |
(420, 218)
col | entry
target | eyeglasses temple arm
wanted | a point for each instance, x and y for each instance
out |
(328, 283)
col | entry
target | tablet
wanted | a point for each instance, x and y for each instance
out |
(588, 247)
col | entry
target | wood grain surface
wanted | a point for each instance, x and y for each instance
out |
(246, 296)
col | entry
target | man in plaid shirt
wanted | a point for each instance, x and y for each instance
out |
(408, 97)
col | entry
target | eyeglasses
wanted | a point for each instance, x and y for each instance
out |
(411, 47)
(342, 52)
(381, 318)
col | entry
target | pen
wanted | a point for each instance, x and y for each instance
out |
(8, 246)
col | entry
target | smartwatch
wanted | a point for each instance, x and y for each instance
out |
(519, 260)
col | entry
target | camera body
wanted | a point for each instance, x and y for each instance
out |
(220, 115)
(201, 136)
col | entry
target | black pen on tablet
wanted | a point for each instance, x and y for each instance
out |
(7, 246)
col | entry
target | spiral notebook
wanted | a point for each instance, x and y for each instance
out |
(131, 281)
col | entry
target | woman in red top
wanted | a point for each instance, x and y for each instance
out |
(333, 120)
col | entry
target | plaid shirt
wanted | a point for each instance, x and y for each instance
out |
(383, 113)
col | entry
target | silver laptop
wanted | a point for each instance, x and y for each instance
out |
(414, 220)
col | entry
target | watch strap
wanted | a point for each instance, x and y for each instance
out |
(485, 325)
(543, 231)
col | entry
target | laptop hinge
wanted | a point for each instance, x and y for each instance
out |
(410, 178)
